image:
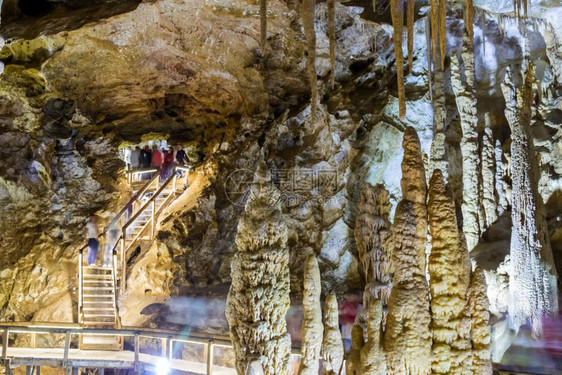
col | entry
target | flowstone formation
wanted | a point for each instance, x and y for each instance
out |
(259, 294)
(533, 292)
(373, 237)
(407, 339)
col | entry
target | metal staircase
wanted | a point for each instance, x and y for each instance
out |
(100, 287)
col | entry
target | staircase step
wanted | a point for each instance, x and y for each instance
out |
(112, 315)
(97, 287)
(98, 296)
(95, 277)
(108, 308)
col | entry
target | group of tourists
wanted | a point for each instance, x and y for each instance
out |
(160, 158)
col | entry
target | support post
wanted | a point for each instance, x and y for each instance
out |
(137, 367)
(33, 340)
(169, 348)
(210, 357)
(101, 371)
(28, 370)
(66, 349)
(38, 370)
(5, 336)
(174, 181)
(152, 215)
(123, 284)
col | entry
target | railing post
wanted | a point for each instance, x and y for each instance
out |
(174, 181)
(33, 340)
(66, 349)
(137, 367)
(80, 284)
(5, 336)
(152, 223)
(210, 355)
(123, 263)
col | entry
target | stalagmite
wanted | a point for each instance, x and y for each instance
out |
(332, 38)
(332, 344)
(307, 14)
(449, 275)
(374, 240)
(480, 322)
(263, 25)
(489, 200)
(372, 355)
(353, 365)
(470, 21)
(465, 98)
(407, 338)
(532, 282)
(397, 12)
(410, 13)
(312, 327)
(443, 30)
(259, 294)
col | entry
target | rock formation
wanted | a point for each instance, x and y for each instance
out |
(373, 361)
(407, 339)
(332, 344)
(466, 105)
(308, 15)
(397, 13)
(480, 322)
(353, 364)
(532, 283)
(449, 271)
(488, 158)
(312, 327)
(374, 241)
(259, 295)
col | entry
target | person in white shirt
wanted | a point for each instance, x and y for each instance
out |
(135, 157)
(91, 234)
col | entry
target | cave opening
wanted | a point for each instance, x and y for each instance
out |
(34, 8)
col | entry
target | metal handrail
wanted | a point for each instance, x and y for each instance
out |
(114, 274)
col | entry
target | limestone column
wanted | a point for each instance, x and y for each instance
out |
(407, 339)
(259, 294)
(373, 360)
(489, 200)
(532, 283)
(466, 104)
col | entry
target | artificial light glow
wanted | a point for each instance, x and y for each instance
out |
(162, 367)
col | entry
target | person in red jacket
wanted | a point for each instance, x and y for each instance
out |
(167, 164)
(157, 157)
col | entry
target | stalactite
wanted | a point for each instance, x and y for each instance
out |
(410, 13)
(470, 20)
(307, 14)
(435, 28)
(489, 200)
(374, 240)
(443, 30)
(332, 38)
(465, 98)
(483, 27)
(397, 12)
(407, 338)
(332, 344)
(263, 25)
(312, 327)
(532, 282)
(353, 364)
(374, 6)
(449, 275)
(259, 294)
(372, 355)
(428, 54)
(480, 322)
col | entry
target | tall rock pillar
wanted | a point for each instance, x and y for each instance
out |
(532, 281)
(259, 295)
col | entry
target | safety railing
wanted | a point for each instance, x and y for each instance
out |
(166, 338)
